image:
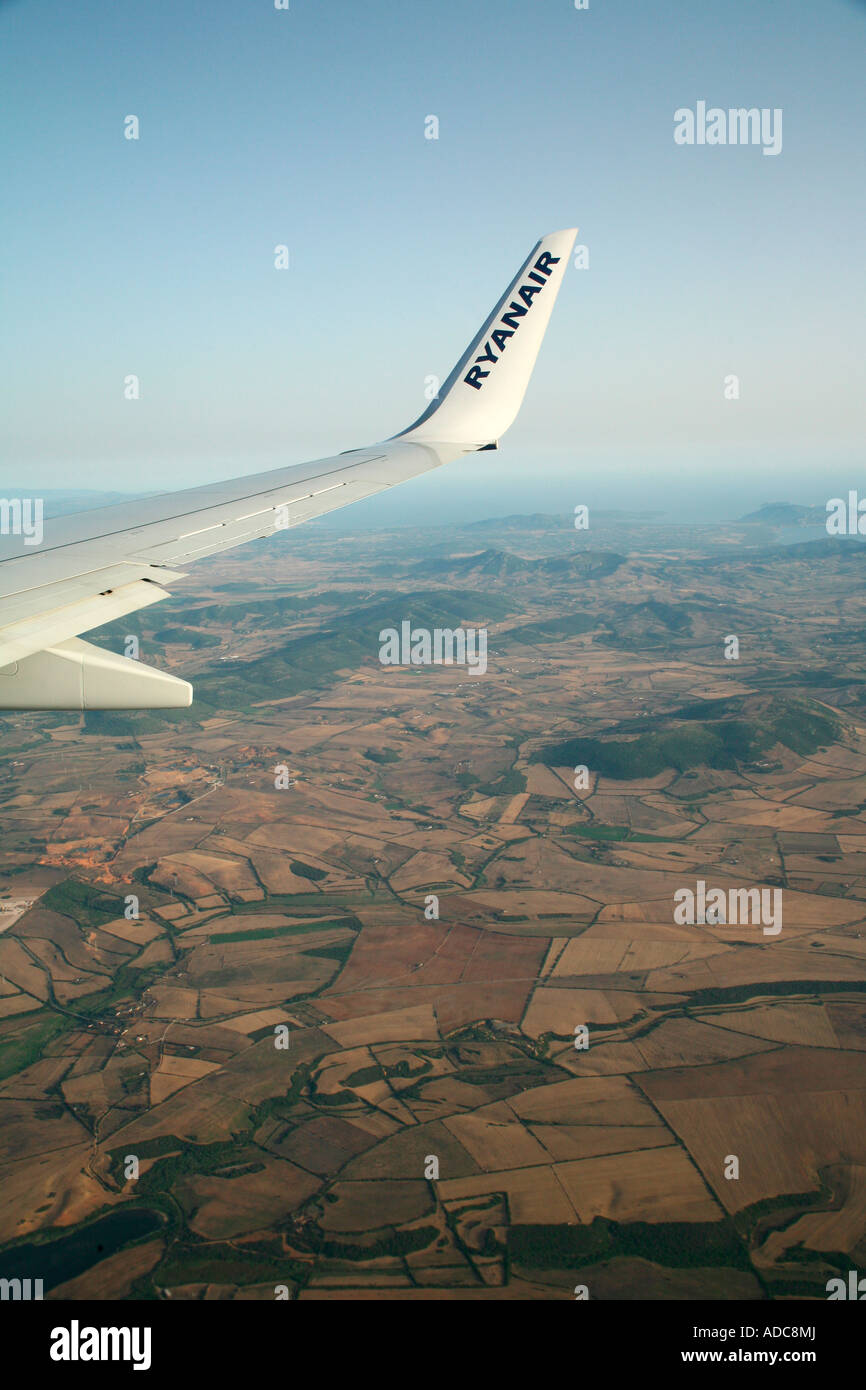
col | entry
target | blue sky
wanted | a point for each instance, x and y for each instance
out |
(306, 127)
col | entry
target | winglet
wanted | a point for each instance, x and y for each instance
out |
(484, 392)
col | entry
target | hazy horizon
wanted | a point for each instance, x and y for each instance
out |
(449, 496)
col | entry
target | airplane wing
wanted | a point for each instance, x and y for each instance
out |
(92, 567)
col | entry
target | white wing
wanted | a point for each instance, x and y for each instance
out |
(100, 565)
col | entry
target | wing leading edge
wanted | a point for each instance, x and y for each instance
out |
(96, 566)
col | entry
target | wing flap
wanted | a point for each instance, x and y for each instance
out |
(77, 675)
(51, 625)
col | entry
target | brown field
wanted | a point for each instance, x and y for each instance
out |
(224, 1207)
(647, 1185)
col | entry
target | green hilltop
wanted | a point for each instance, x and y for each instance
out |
(710, 733)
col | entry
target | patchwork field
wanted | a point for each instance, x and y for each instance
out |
(423, 1020)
